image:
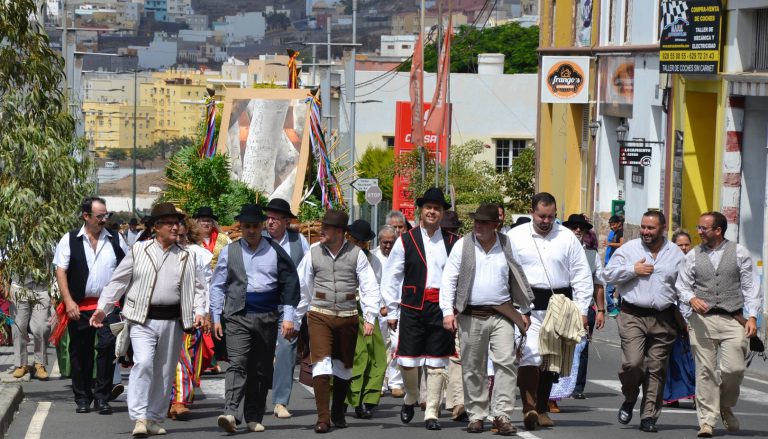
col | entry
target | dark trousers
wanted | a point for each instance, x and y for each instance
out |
(81, 343)
(251, 342)
(581, 377)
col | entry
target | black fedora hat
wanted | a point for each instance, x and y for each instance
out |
(251, 213)
(161, 210)
(361, 230)
(336, 218)
(577, 219)
(450, 220)
(133, 222)
(520, 221)
(205, 212)
(433, 195)
(486, 212)
(280, 205)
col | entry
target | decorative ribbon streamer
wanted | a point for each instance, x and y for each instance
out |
(208, 147)
(330, 189)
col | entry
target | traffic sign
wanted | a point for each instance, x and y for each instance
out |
(373, 195)
(362, 184)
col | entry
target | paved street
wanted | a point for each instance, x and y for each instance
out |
(49, 412)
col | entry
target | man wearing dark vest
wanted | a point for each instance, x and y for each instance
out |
(416, 263)
(85, 260)
(554, 263)
(329, 275)
(644, 271)
(279, 216)
(255, 276)
(480, 277)
(716, 281)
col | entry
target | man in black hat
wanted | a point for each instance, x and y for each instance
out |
(256, 276)
(411, 290)
(279, 216)
(164, 294)
(477, 291)
(329, 275)
(132, 235)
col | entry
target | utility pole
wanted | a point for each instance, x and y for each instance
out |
(351, 80)
(135, 107)
(437, 80)
(420, 142)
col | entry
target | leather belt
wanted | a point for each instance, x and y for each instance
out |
(330, 312)
(640, 311)
(164, 312)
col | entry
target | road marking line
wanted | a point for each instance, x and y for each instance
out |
(527, 435)
(666, 410)
(55, 372)
(35, 428)
(747, 394)
(213, 388)
(756, 380)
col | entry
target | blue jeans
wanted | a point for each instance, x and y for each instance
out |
(611, 303)
(285, 361)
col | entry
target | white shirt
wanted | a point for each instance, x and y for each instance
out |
(286, 244)
(394, 272)
(203, 261)
(490, 285)
(563, 256)
(369, 288)
(101, 262)
(750, 285)
(131, 236)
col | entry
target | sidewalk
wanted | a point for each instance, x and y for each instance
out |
(11, 389)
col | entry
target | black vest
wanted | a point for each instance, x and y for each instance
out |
(77, 273)
(415, 279)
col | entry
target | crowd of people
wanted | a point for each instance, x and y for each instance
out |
(430, 316)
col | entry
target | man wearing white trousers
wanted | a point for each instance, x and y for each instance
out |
(164, 296)
(480, 277)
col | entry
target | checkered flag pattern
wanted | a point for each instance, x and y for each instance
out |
(673, 11)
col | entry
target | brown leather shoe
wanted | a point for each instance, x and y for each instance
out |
(178, 412)
(530, 420)
(322, 427)
(459, 413)
(545, 420)
(553, 408)
(475, 426)
(503, 426)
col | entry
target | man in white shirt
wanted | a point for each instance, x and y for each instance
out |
(329, 275)
(480, 276)
(85, 260)
(132, 234)
(279, 216)
(717, 281)
(554, 263)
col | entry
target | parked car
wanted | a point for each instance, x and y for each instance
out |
(111, 165)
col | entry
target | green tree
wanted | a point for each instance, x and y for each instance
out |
(377, 163)
(277, 21)
(518, 44)
(194, 182)
(116, 154)
(44, 168)
(144, 154)
(519, 183)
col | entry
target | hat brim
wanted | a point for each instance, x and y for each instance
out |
(277, 209)
(179, 216)
(422, 201)
(328, 223)
(481, 217)
(213, 217)
(367, 237)
(250, 218)
(584, 224)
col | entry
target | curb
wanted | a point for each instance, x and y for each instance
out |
(10, 399)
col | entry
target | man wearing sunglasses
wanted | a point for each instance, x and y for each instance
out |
(85, 260)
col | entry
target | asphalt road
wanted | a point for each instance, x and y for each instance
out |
(49, 412)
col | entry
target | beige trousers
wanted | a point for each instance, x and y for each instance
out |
(454, 388)
(713, 334)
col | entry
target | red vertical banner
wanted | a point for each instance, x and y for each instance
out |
(436, 118)
(417, 91)
(402, 198)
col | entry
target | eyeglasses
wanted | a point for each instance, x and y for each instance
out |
(704, 229)
(102, 216)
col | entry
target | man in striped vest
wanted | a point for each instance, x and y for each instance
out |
(416, 263)
(329, 275)
(163, 296)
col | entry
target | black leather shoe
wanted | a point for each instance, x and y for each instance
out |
(363, 412)
(83, 407)
(103, 407)
(625, 412)
(339, 420)
(648, 425)
(432, 424)
(579, 395)
(406, 413)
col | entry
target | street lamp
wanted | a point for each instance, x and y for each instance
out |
(622, 130)
(593, 127)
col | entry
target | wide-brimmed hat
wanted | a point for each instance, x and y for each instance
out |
(251, 213)
(133, 222)
(577, 219)
(205, 212)
(336, 218)
(615, 219)
(433, 195)
(451, 220)
(486, 212)
(520, 221)
(161, 210)
(280, 205)
(361, 230)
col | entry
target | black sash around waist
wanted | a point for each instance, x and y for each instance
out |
(640, 311)
(721, 311)
(164, 312)
(541, 296)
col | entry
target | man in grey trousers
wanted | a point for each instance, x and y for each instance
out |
(256, 276)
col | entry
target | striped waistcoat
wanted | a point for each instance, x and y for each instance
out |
(142, 285)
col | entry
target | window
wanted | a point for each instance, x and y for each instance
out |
(612, 21)
(405, 46)
(628, 22)
(506, 151)
(390, 141)
(761, 43)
